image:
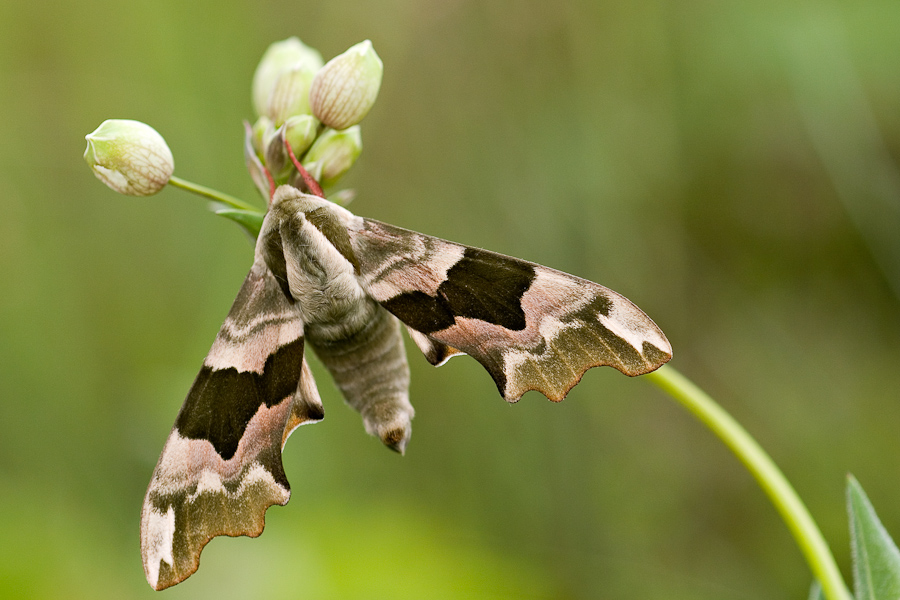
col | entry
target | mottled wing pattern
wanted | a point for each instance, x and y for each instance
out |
(221, 466)
(531, 327)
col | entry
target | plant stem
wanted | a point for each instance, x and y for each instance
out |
(768, 475)
(309, 180)
(210, 193)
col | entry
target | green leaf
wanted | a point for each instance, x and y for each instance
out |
(876, 560)
(250, 220)
(815, 591)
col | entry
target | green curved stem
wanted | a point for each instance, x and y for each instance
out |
(768, 475)
(210, 193)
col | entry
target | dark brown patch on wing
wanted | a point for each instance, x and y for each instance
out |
(222, 402)
(483, 285)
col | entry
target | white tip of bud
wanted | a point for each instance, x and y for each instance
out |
(129, 156)
(279, 58)
(332, 154)
(345, 89)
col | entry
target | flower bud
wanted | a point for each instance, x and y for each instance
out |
(332, 154)
(129, 157)
(262, 126)
(299, 131)
(280, 57)
(273, 154)
(345, 89)
(290, 94)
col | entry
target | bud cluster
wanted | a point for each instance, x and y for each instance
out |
(312, 108)
(307, 114)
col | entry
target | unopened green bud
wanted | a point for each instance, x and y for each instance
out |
(345, 89)
(260, 128)
(280, 57)
(332, 154)
(274, 154)
(129, 157)
(299, 131)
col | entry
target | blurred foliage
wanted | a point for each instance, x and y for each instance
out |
(732, 168)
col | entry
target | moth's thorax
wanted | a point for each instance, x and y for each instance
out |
(305, 237)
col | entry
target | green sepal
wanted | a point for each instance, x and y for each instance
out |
(876, 560)
(250, 220)
(254, 166)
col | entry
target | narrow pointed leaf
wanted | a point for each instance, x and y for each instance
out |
(876, 560)
(250, 220)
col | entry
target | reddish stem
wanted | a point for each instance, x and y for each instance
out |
(271, 183)
(308, 179)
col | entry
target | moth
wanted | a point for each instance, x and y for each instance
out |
(342, 284)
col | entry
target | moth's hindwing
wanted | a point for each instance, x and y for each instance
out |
(221, 466)
(531, 327)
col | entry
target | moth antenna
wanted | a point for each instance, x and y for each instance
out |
(308, 179)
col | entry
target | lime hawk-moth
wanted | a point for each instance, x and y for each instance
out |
(342, 284)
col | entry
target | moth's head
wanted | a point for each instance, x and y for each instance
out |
(288, 200)
(288, 193)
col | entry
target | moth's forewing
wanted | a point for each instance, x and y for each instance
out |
(531, 327)
(221, 466)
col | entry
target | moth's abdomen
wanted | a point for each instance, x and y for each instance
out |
(369, 366)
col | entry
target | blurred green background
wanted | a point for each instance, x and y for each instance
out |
(730, 167)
